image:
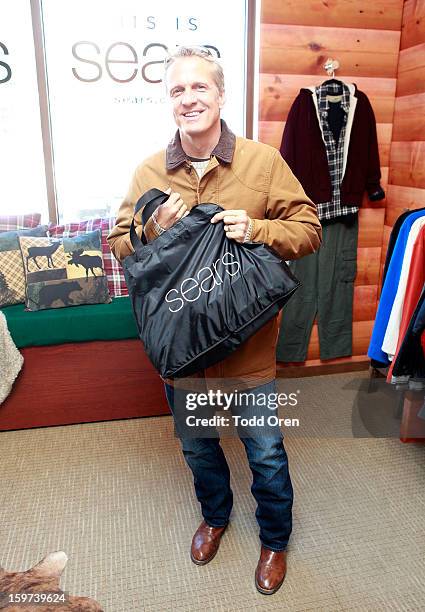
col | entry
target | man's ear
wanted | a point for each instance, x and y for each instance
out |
(221, 100)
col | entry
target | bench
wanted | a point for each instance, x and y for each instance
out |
(81, 364)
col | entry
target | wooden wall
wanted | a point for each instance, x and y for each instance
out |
(406, 187)
(297, 36)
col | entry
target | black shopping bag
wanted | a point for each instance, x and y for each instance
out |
(198, 295)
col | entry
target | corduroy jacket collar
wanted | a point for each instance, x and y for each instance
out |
(224, 149)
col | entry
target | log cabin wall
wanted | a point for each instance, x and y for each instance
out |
(406, 187)
(297, 36)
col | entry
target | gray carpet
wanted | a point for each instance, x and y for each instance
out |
(118, 499)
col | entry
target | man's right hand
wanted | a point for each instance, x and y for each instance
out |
(171, 211)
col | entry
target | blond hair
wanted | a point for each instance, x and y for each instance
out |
(197, 51)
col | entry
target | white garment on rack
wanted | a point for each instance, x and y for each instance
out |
(390, 342)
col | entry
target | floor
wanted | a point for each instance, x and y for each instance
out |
(117, 497)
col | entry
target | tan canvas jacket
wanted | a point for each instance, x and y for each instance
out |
(241, 174)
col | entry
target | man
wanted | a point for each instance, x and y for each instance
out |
(263, 202)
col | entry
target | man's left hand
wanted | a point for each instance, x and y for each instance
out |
(236, 223)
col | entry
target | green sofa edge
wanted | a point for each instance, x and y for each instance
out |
(113, 321)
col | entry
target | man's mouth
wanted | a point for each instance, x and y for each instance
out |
(192, 114)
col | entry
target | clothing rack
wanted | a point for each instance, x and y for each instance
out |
(399, 322)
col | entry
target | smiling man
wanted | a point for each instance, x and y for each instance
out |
(263, 202)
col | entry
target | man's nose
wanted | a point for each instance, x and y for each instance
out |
(188, 97)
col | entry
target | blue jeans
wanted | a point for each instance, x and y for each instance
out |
(271, 484)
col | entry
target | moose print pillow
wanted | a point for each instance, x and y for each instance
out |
(65, 272)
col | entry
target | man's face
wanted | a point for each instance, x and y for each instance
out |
(194, 95)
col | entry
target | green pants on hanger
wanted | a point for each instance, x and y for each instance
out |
(327, 288)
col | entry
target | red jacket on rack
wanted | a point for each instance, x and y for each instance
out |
(303, 148)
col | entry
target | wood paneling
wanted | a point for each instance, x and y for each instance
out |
(368, 260)
(408, 164)
(371, 226)
(384, 131)
(374, 88)
(289, 49)
(377, 15)
(411, 71)
(409, 123)
(384, 179)
(400, 199)
(364, 304)
(271, 132)
(278, 91)
(413, 28)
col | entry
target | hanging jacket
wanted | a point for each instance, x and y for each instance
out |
(303, 148)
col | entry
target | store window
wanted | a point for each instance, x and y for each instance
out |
(108, 109)
(22, 175)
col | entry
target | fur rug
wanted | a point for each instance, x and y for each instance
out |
(42, 578)
(11, 360)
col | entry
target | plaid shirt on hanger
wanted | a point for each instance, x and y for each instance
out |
(334, 152)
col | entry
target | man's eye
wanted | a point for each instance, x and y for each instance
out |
(176, 92)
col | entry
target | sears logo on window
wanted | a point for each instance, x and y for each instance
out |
(5, 69)
(118, 55)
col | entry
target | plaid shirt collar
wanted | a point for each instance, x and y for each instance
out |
(329, 89)
(224, 149)
(334, 152)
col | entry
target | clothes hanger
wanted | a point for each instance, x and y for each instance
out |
(330, 66)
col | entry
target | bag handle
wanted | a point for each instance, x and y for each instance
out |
(150, 201)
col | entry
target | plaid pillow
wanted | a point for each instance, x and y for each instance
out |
(12, 274)
(113, 270)
(16, 222)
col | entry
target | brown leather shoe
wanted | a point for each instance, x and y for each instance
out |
(205, 543)
(271, 571)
